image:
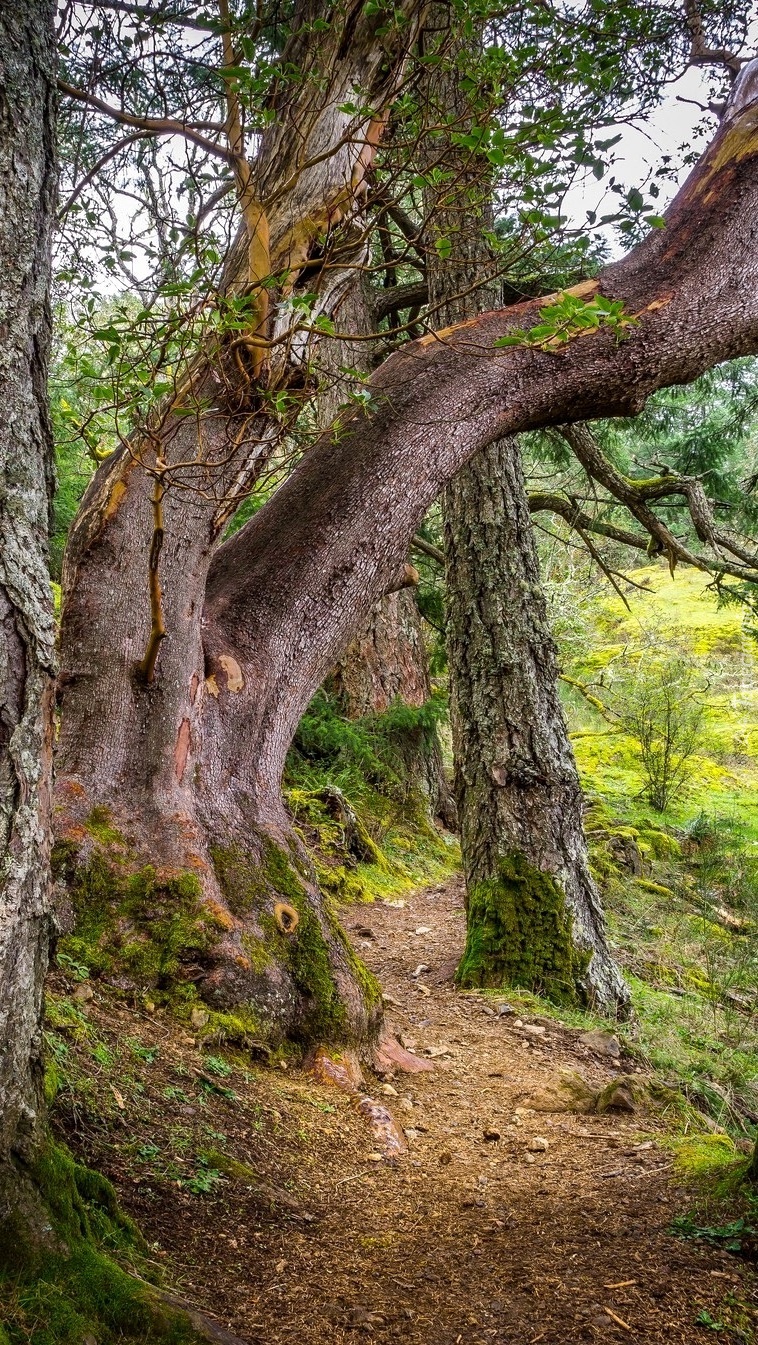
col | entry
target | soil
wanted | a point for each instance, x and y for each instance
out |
(462, 1240)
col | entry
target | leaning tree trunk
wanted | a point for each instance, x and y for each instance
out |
(533, 914)
(27, 647)
(285, 593)
(386, 661)
(171, 896)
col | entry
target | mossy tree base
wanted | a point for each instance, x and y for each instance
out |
(59, 1282)
(246, 938)
(519, 933)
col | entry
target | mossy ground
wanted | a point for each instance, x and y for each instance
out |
(86, 1282)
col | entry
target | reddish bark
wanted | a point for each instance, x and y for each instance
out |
(286, 593)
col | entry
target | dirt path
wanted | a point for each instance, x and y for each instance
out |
(465, 1241)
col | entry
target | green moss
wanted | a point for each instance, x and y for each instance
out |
(240, 879)
(144, 925)
(519, 934)
(705, 1156)
(661, 844)
(240, 1027)
(62, 1284)
(99, 824)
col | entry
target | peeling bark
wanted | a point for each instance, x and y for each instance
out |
(27, 632)
(285, 594)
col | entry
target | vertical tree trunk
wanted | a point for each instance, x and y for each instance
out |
(533, 914)
(534, 917)
(27, 632)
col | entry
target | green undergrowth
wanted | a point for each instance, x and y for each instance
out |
(85, 1276)
(370, 763)
(680, 614)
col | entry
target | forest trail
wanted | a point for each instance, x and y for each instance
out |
(465, 1240)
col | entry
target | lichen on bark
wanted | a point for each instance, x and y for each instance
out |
(520, 934)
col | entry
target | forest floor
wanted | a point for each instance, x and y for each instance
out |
(262, 1195)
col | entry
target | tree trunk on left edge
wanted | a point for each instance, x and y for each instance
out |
(533, 913)
(27, 631)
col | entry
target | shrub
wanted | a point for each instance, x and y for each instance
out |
(659, 703)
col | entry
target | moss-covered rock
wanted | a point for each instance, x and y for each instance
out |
(519, 933)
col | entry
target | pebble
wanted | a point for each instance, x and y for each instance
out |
(533, 1029)
(84, 992)
(388, 1090)
(491, 1132)
(539, 1145)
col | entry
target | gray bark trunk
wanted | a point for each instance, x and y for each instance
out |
(533, 913)
(517, 785)
(27, 632)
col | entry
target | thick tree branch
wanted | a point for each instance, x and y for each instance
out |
(331, 538)
(399, 296)
(635, 495)
(700, 52)
(543, 501)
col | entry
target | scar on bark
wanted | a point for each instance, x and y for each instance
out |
(146, 669)
(286, 917)
(181, 750)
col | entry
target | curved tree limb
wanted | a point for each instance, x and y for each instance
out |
(331, 538)
(635, 495)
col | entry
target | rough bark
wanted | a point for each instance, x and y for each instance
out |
(304, 572)
(517, 785)
(133, 752)
(284, 594)
(27, 633)
(533, 913)
(386, 660)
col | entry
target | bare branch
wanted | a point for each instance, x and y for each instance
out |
(152, 125)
